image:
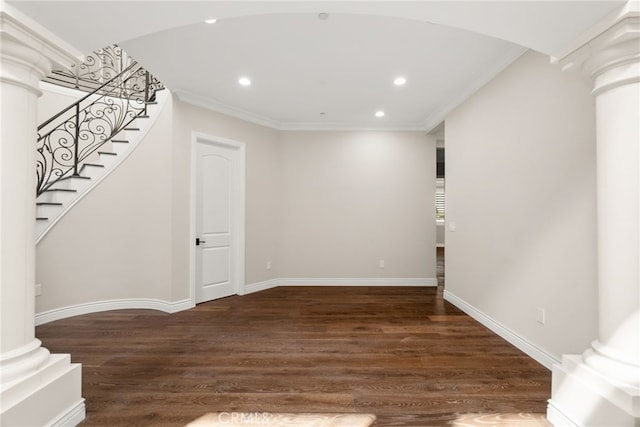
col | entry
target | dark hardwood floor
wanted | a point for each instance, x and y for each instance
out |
(403, 354)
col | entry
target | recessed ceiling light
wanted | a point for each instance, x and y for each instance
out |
(244, 81)
(380, 113)
(399, 81)
(210, 21)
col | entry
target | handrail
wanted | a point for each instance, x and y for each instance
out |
(43, 124)
(67, 139)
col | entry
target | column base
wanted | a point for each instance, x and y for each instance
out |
(50, 396)
(581, 396)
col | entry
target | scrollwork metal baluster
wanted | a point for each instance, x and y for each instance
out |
(67, 139)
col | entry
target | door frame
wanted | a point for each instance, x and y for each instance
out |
(238, 207)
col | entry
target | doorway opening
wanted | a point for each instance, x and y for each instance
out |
(217, 220)
(440, 204)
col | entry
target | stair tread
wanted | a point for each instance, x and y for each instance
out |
(67, 190)
(41, 218)
(75, 176)
(131, 129)
(107, 153)
(122, 141)
(48, 204)
(93, 164)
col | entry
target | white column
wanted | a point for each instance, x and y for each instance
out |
(601, 387)
(36, 387)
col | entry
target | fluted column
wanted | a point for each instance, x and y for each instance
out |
(602, 386)
(36, 387)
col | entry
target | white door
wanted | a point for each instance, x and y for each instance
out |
(217, 169)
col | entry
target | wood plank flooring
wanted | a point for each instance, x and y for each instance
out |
(401, 353)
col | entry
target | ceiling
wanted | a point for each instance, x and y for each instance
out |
(333, 73)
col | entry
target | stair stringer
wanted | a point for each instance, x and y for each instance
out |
(107, 166)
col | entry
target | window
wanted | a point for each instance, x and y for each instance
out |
(440, 207)
(440, 185)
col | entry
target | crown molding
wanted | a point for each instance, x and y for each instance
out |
(431, 122)
(219, 107)
(438, 116)
(238, 113)
(337, 126)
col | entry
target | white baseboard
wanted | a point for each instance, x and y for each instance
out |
(532, 350)
(121, 304)
(71, 417)
(174, 307)
(376, 281)
(50, 395)
(260, 286)
(274, 283)
(557, 418)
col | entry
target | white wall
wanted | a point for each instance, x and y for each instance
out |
(351, 199)
(262, 189)
(55, 99)
(318, 205)
(521, 190)
(116, 242)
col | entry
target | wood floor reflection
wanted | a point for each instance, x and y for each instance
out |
(401, 353)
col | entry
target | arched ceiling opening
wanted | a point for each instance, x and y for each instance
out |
(335, 73)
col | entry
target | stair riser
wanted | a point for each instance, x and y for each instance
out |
(56, 197)
(92, 172)
(48, 211)
(120, 148)
(72, 184)
(106, 160)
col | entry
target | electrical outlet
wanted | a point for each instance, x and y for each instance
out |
(38, 290)
(268, 265)
(381, 263)
(541, 316)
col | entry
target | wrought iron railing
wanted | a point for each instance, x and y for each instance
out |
(97, 68)
(66, 140)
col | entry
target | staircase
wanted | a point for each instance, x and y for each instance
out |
(79, 146)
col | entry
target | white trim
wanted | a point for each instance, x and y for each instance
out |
(162, 98)
(238, 113)
(219, 107)
(34, 35)
(438, 116)
(238, 232)
(260, 286)
(556, 417)
(119, 304)
(72, 416)
(432, 121)
(376, 281)
(532, 350)
(353, 126)
(187, 303)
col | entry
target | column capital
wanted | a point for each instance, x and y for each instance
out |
(29, 51)
(612, 58)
